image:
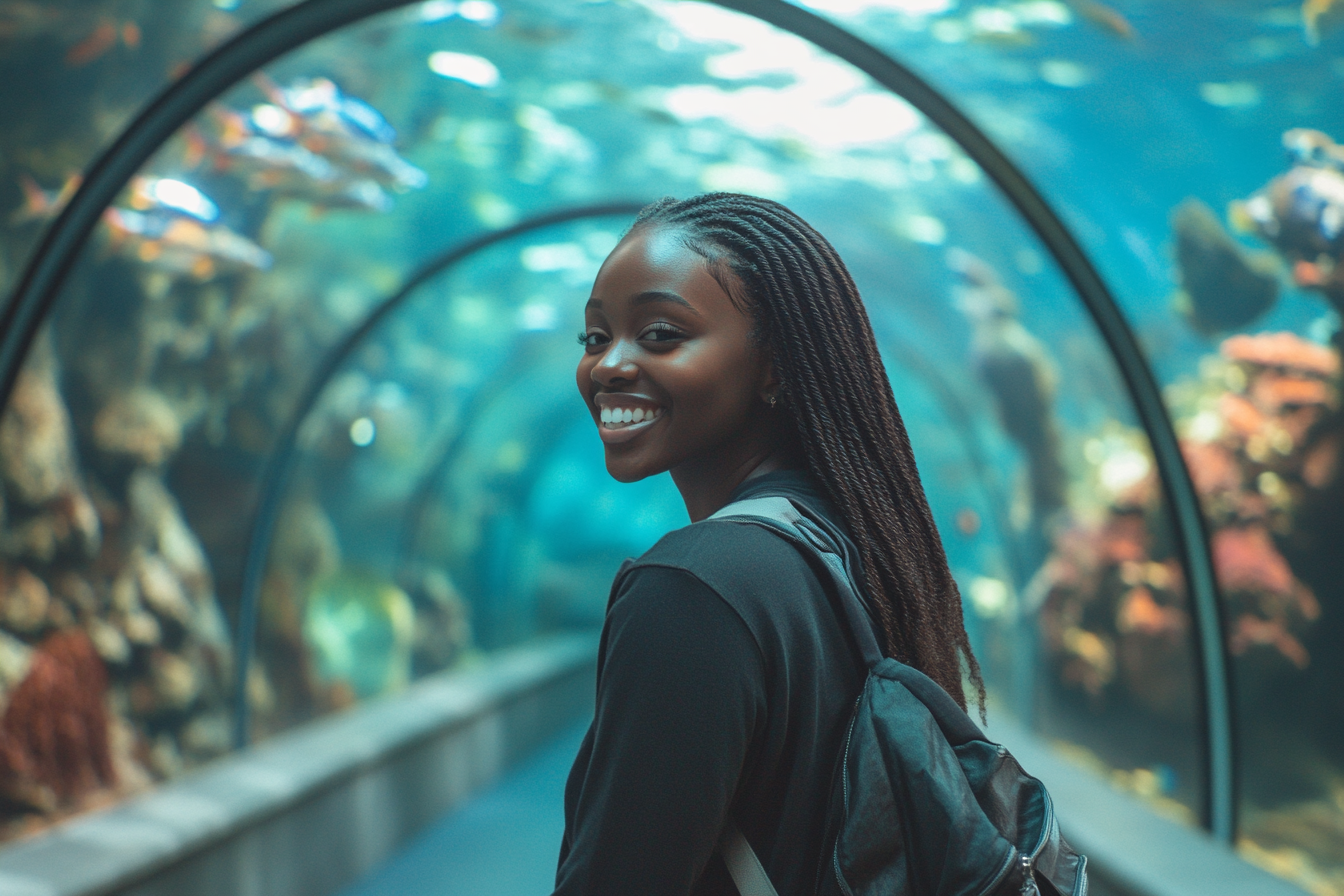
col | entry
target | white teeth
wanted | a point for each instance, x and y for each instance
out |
(623, 416)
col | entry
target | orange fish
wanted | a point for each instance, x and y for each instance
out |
(40, 204)
(1305, 273)
(100, 40)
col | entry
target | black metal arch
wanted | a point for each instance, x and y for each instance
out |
(1191, 536)
(292, 27)
(281, 461)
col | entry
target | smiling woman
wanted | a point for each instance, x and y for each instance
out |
(725, 342)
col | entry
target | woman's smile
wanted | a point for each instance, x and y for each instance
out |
(623, 416)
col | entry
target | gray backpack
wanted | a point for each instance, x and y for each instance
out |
(923, 804)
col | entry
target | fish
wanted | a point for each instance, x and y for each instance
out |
(347, 131)
(288, 169)
(1223, 285)
(1313, 149)
(103, 38)
(173, 195)
(1300, 213)
(1018, 372)
(1105, 17)
(86, 34)
(310, 142)
(181, 244)
(40, 204)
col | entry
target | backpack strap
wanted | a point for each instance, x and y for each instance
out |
(783, 517)
(743, 866)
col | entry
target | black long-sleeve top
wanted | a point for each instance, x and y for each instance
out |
(725, 684)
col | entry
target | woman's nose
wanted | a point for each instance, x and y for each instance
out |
(617, 364)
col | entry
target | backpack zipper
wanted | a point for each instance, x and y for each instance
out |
(1029, 887)
(844, 782)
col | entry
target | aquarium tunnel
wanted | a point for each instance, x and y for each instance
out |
(306, 539)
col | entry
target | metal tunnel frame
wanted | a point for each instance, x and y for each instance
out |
(268, 39)
(280, 463)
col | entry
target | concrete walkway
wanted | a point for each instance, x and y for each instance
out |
(503, 843)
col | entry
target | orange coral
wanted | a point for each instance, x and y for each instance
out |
(1249, 631)
(1241, 416)
(1274, 392)
(54, 732)
(1140, 612)
(1250, 566)
(1285, 350)
(1248, 561)
(1124, 538)
(1212, 467)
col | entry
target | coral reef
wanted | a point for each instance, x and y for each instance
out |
(114, 655)
(1261, 438)
(1260, 433)
(54, 738)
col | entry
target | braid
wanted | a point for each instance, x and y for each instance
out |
(835, 389)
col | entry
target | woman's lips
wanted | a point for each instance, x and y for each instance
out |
(614, 435)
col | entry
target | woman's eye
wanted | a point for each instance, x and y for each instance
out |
(661, 333)
(592, 339)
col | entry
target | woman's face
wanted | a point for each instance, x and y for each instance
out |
(670, 372)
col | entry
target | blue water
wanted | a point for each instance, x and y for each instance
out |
(504, 842)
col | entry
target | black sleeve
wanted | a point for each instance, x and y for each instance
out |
(681, 690)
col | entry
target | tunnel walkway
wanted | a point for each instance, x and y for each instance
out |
(504, 842)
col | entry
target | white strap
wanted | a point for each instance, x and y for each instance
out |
(742, 863)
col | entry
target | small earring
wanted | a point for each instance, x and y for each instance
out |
(773, 399)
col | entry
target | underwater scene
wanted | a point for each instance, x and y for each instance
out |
(300, 426)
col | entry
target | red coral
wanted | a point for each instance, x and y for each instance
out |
(54, 732)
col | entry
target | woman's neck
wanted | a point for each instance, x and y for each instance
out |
(706, 487)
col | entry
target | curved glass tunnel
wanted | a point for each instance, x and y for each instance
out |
(242, 501)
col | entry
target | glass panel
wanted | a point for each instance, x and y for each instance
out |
(1191, 148)
(449, 497)
(86, 69)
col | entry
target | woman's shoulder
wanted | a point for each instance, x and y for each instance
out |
(761, 576)
(719, 545)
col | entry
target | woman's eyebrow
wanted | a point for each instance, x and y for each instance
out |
(644, 298)
(658, 295)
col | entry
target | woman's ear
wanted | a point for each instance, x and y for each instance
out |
(769, 385)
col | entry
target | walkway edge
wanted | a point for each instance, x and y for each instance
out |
(1130, 849)
(312, 809)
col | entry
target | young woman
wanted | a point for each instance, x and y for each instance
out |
(725, 341)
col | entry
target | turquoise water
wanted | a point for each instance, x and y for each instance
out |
(444, 493)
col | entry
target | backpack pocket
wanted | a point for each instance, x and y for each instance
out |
(929, 809)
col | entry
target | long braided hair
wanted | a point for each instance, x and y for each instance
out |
(835, 390)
